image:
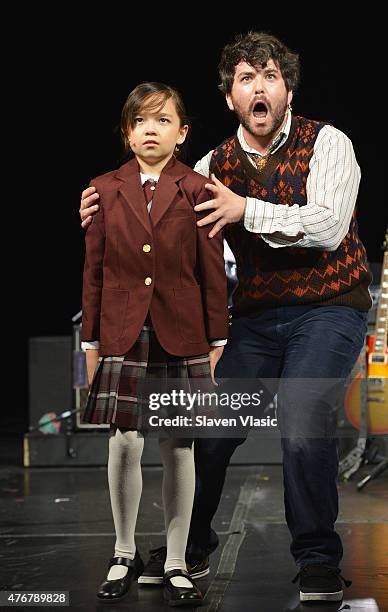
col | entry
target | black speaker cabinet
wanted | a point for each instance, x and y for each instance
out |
(50, 376)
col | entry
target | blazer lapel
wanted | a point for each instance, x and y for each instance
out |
(132, 191)
(165, 192)
(166, 189)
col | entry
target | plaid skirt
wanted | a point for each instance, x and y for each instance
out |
(121, 386)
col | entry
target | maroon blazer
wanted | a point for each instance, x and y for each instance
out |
(160, 262)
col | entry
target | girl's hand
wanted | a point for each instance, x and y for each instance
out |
(92, 356)
(215, 354)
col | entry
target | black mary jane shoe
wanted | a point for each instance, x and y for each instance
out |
(181, 596)
(114, 590)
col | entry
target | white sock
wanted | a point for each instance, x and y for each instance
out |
(125, 487)
(178, 496)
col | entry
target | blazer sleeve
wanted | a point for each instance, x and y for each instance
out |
(93, 276)
(213, 277)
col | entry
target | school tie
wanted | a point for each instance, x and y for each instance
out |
(149, 190)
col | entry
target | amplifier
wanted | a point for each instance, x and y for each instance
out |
(50, 384)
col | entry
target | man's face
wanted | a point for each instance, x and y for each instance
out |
(259, 98)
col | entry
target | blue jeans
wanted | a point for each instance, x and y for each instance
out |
(287, 343)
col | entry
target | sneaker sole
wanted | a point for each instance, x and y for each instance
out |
(337, 596)
(158, 580)
(201, 574)
(155, 580)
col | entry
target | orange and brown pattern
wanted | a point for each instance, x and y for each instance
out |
(271, 277)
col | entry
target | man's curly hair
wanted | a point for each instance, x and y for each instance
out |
(256, 48)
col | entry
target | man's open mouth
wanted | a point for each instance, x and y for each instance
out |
(260, 110)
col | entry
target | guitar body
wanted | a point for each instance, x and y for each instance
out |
(366, 399)
(377, 392)
(375, 369)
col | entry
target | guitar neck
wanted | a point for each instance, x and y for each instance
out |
(380, 343)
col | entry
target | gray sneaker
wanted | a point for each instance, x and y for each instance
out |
(321, 583)
(154, 569)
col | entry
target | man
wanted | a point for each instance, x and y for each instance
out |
(285, 192)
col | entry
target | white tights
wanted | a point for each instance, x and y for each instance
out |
(125, 487)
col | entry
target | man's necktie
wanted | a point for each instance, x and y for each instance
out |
(149, 190)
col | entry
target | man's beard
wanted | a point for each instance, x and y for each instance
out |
(277, 122)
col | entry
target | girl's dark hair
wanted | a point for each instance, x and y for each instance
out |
(151, 96)
(256, 48)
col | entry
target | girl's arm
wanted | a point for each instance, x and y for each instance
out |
(93, 277)
(212, 278)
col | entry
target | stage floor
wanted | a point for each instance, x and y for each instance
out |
(56, 533)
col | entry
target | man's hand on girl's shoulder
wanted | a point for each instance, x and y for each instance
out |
(88, 206)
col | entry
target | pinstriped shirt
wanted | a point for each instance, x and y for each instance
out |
(331, 190)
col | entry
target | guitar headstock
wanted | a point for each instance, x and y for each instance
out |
(385, 243)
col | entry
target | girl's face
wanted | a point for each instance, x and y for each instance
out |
(156, 133)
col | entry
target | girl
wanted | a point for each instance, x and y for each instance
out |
(154, 300)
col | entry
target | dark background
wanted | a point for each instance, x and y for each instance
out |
(74, 79)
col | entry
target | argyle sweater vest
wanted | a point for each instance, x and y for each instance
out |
(286, 276)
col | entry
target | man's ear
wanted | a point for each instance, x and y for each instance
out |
(229, 102)
(290, 95)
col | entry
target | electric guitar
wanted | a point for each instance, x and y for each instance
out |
(376, 368)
